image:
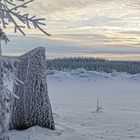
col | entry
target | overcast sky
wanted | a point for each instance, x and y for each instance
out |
(112, 21)
(98, 22)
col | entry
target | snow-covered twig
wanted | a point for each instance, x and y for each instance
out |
(98, 107)
(9, 12)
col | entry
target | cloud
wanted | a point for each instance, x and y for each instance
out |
(117, 20)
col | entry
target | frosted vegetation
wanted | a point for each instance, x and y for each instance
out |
(33, 106)
(90, 64)
(93, 64)
(11, 14)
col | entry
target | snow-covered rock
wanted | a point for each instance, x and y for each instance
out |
(33, 106)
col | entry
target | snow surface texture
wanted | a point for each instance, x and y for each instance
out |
(74, 95)
(33, 106)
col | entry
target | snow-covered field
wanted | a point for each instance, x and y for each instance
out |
(73, 97)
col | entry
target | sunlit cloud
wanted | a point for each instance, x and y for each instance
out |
(99, 23)
(76, 16)
(111, 18)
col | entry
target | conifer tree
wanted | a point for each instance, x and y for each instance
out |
(11, 14)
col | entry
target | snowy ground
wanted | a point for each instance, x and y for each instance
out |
(73, 97)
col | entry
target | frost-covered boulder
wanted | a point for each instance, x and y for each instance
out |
(33, 106)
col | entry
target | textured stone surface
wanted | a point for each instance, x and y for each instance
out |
(33, 106)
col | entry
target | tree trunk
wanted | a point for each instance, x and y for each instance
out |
(3, 107)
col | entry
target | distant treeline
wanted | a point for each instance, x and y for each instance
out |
(93, 64)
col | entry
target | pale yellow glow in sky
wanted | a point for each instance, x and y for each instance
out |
(94, 23)
(112, 21)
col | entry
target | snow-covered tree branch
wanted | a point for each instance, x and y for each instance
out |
(10, 13)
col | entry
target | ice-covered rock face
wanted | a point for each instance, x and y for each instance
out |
(33, 106)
